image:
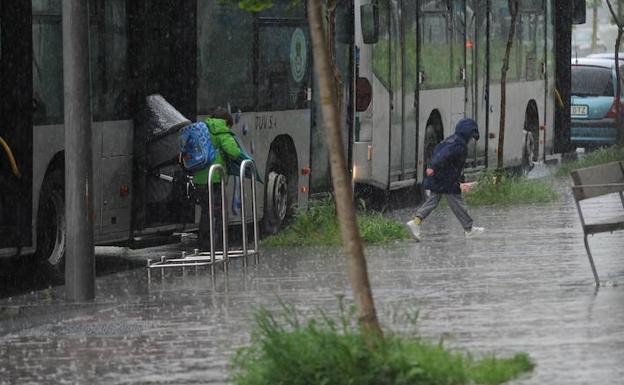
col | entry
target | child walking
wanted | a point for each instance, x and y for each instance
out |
(444, 173)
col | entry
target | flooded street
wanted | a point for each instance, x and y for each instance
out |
(524, 285)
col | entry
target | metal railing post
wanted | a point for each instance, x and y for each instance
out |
(198, 258)
(248, 164)
(217, 168)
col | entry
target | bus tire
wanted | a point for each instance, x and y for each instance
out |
(280, 188)
(528, 153)
(431, 140)
(51, 230)
(276, 202)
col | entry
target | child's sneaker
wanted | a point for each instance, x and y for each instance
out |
(414, 229)
(474, 231)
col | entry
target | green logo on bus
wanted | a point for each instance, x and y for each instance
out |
(298, 55)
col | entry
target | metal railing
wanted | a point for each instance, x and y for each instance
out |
(214, 257)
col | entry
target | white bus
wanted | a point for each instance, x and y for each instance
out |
(198, 55)
(429, 63)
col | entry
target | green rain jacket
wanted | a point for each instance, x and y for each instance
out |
(223, 139)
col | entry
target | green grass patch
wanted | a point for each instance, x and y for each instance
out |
(594, 158)
(510, 190)
(319, 226)
(285, 350)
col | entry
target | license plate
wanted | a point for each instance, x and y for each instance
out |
(578, 111)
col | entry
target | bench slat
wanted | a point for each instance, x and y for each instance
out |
(605, 225)
(594, 190)
(606, 174)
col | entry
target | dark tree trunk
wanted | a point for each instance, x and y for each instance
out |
(513, 10)
(352, 242)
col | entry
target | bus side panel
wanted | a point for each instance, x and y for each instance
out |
(116, 179)
(294, 124)
(49, 143)
(380, 134)
(16, 123)
(518, 96)
(434, 100)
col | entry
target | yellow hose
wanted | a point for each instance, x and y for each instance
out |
(558, 98)
(7, 149)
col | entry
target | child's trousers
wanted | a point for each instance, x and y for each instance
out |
(456, 203)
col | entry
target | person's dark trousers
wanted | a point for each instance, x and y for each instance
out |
(201, 192)
(456, 203)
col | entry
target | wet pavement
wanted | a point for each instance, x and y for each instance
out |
(524, 285)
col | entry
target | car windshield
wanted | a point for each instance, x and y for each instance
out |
(591, 81)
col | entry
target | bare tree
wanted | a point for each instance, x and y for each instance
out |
(351, 240)
(618, 76)
(330, 96)
(594, 39)
(513, 11)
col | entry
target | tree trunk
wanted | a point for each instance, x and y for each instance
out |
(513, 10)
(594, 40)
(352, 242)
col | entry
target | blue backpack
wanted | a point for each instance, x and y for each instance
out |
(196, 148)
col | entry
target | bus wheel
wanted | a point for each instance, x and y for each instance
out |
(51, 230)
(276, 202)
(431, 140)
(528, 153)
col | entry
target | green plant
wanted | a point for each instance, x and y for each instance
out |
(509, 189)
(286, 350)
(319, 226)
(600, 156)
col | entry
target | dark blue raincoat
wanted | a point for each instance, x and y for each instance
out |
(449, 157)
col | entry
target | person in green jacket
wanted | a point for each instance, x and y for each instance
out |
(219, 124)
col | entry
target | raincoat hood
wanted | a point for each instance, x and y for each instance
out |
(467, 128)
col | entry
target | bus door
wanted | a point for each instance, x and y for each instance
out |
(475, 74)
(409, 91)
(395, 118)
(162, 59)
(379, 133)
(16, 123)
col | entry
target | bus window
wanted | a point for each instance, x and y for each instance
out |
(108, 46)
(370, 23)
(285, 9)
(410, 26)
(435, 41)
(225, 52)
(501, 22)
(47, 62)
(381, 65)
(109, 60)
(531, 42)
(458, 45)
(283, 67)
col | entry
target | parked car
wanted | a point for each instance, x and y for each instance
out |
(606, 55)
(593, 105)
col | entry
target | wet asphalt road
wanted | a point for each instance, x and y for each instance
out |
(525, 285)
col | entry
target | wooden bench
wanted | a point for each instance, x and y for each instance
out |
(596, 181)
